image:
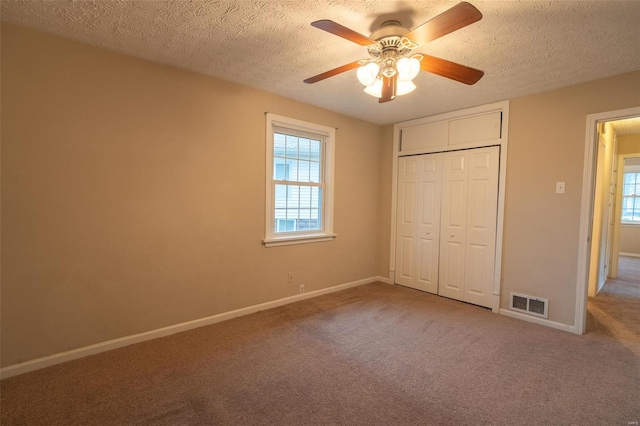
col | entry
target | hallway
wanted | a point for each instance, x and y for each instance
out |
(615, 310)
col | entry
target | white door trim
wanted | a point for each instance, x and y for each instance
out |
(586, 208)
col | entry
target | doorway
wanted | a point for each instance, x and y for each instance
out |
(608, 282)
(615, 309)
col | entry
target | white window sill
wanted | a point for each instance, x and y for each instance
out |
(298, 239)
(630, 224)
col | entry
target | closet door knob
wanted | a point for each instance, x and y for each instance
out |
(452, 235)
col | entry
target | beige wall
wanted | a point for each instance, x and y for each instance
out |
(385, 201)
(124, 208)
(546, 145)
(629, 239)
(629, 144)
(133, 197)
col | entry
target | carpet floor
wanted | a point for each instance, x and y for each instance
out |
(371, 355)
(615, 311)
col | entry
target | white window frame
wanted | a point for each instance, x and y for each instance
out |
(327, 134)
(628, 169)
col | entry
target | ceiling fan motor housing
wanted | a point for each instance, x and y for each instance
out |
(390, 45)
(389, 29)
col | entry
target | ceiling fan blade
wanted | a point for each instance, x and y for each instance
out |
(388, 88)
(332, 72)
(457, 17)
(342, 31)
(448, 69)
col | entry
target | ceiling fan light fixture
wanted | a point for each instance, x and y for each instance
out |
(404, 86)
(375, 89)
(408, 68)
(391, 67)
(367, 74)
(389, 71)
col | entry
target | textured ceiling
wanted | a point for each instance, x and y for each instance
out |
(630, 126)
(524, 47)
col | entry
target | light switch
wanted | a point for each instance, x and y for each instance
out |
(559, 187)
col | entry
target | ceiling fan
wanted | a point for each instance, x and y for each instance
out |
(392, 67)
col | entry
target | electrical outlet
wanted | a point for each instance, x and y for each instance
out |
(290, 277)
(301, 288)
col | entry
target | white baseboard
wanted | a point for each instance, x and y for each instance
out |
(384, 280)
(47, 361)
(541, 321)
(629, 254)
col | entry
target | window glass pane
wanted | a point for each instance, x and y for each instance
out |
(628, 189)
(630, 200)
(278, 144)
(297, 208)
(281, 196)
(631, 209)
(303, 147)
(292, 146)
(303, 171)
(631, 183)
(303, 223)
(291, 225)
(292, 169)
(314, 172)
(279, 168)
(305, 197)
(314, 150)
(305, 213)
(280, 220)
(293, 195)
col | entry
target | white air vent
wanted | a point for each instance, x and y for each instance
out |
(529, 305)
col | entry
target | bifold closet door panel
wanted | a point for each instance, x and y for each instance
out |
(428, 226)
(406, 220)
(418, 226)
(453, 225)
(482, 208)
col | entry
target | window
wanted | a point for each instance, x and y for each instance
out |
(631, 197)
(299, 182)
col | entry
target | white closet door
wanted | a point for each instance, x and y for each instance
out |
(418, 226)
(406, 220)
(453, 225)
(468, 230)
(446, 223)
(482, 209)
(428, 226)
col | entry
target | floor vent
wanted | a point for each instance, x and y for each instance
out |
(530, 305)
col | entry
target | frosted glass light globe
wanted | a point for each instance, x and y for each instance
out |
(408, 68)
(375, 89)
(367, 74)
(403, 87)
